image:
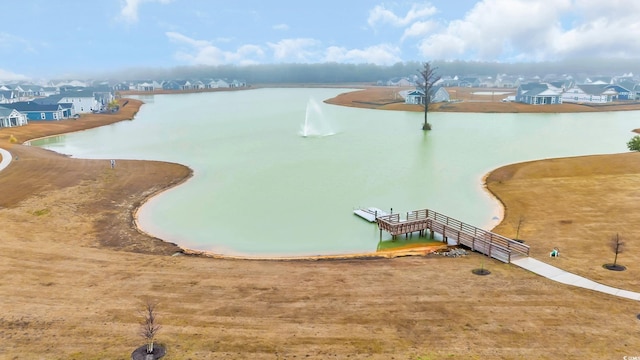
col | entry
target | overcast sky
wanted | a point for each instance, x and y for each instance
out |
(44, 38)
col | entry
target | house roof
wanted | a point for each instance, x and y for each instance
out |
(77, 94)
(51, 99)
(592, 89)
(34, 106)
(4, 111)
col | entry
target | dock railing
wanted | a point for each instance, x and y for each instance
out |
(486, 242)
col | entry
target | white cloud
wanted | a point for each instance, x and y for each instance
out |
(495, 29)
(203, 52)
(419, 29)
(14, 42)
(283, 27)
(382, 15)
(11, 76)
(609, 29)
(536, 30)
(379, 55)
(130, 8)
(296, 50)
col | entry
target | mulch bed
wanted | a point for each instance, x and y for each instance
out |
(141, 352)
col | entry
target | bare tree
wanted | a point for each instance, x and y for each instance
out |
(428, 77)
(150, 327)
(520, 221)
(617, 246)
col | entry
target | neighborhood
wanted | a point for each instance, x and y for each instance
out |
(21, 103)
(534, 91)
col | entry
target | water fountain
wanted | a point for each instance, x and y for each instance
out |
(315, 123)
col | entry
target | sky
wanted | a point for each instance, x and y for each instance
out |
(67, 38)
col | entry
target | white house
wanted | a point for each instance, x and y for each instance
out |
(217, 83)
(590, 94)
(11, 117)
(83, 101)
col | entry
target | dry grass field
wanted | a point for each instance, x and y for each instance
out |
(76, 273)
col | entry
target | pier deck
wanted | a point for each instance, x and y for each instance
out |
(370, 214)
(421, 221)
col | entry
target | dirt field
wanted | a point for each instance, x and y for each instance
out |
(76, 273)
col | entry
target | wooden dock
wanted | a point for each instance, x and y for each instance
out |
(425, 220)
(370, 214)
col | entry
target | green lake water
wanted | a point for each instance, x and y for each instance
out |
(278, 173)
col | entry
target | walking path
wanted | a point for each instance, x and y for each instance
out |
(559, 275)
(6, 158)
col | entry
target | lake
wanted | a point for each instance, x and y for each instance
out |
(277, 172)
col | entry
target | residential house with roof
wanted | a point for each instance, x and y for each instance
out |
(184, 84)
(622, 93)
(589, 94)
(538, 94)
(471, 82)
(147, 85)
(170, 85)
(438, 94)
(8, 96)
(238, 83)
(83, 101)
(37, 112)
(10, 117)
(217, 84)
(400, 82)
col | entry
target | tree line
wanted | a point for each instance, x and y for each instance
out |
(336, 73)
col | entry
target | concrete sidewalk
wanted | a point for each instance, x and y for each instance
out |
(559, 275)
(6, 158)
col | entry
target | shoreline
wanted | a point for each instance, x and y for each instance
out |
(134, 107)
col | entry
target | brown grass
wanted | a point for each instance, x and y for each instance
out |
(464, 100)
(76, 274)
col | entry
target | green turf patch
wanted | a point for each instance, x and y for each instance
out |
(401, 243)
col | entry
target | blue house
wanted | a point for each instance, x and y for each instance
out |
(49, 112)
(623, 93)
(538, 94)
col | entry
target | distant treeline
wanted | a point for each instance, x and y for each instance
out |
(329, 73)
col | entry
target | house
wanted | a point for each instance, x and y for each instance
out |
(238, 83)
(197, 85)
(170, 85)
(8, 96)
(471, 82)
(414, 97)
(35, 111)
(10, 117)
(184, 84)
(538, 94)
(589, 93)
(217, 83)
(83, 101)
(622, 92)
(438, 94)
(403, 82)
(449, 81)
(149, 85)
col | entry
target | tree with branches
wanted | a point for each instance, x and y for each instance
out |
(150, 326)
(617, 246)
(428, 77)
